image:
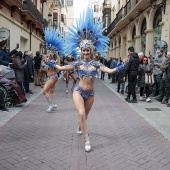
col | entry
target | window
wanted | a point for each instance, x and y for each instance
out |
(55, 20)
(96, 8)
(55, 16)
(69, 2)
(62, 17)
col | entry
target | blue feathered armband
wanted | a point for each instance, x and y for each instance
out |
(120, 67)
(51, 64)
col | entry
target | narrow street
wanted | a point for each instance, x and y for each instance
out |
(121, 139)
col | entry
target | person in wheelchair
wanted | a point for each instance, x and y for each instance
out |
(2, 101)
(7, 84)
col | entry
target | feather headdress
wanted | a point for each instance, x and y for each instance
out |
(54, 41)
(87, 33)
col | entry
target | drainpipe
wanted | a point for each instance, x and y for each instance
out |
(30, 35)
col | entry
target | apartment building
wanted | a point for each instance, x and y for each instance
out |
(138, 23)
(24, 20)
(62, 14)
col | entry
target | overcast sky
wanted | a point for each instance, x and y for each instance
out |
(79, 6)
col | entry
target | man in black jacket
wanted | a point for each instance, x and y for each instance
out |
(132, 72)
(37, 62)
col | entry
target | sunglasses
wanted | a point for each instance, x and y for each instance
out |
(145, 60)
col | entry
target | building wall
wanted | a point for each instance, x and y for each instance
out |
(125, 34)
(16, 31)
(20, 33)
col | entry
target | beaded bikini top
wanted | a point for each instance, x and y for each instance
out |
(89, 68)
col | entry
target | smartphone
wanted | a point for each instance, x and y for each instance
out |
(17, 45)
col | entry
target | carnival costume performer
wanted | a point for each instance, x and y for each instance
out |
(86, 35)
(55, 44)
(73, 55)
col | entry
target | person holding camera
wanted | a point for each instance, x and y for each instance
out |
(157, 72)
(4, 54)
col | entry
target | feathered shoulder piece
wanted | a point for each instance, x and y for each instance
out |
(87, 33)
(54, 40)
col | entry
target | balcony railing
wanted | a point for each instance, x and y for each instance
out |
(122, 13)
(29, 5)
(119, 15)
(106, 4)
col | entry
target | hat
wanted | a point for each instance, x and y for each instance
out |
(19, 53)
(2, 43)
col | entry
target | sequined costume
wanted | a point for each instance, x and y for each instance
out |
(52, 76)
(87, 73)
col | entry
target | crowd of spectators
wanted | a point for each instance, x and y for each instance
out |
(27, 68)
(151, 75)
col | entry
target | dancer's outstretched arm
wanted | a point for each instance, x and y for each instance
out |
(60, 68)
(114, 70)
(111, 71)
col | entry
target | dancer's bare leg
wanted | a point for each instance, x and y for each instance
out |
(67, 80)
(48, 85)
(83, 108)
(74, 80)
(53, 96)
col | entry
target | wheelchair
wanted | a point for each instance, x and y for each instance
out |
(10, 95)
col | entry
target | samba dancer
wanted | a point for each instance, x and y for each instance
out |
(55, 44)
(87, 35)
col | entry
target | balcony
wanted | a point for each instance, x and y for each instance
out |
(28, 6)
(31, 14)
(17, 3)
(106, 5)
(126, 14)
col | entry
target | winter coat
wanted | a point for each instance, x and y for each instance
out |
(167, 80)
(120, 75)
(103, 61)
(157, 69)
(5, 56)
(164, 67)
(37, 62)
(19, 69)
(113, 64)
(132, 65)
(109, 63)
(28, 70)
(143, 69)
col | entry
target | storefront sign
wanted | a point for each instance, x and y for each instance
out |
(4, 33)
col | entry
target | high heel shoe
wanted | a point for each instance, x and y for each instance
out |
(87, 146)
(79, 132)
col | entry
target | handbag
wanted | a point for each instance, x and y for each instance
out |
(149, 79)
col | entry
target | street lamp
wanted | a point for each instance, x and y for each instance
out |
(49, 19)
(161, 5)
(49, 16)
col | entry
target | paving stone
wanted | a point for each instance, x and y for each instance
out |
(120, 138)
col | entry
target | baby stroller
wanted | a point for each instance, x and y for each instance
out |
(10, 95)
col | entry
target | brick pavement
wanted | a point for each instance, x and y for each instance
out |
(120, 138)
